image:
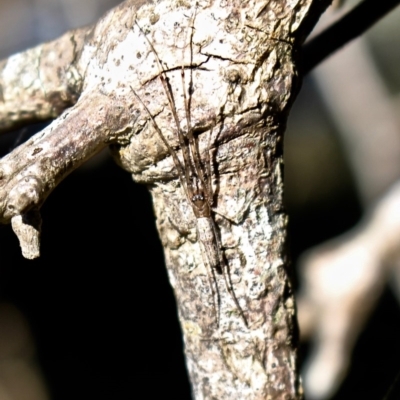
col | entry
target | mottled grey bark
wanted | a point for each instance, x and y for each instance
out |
(239, 59)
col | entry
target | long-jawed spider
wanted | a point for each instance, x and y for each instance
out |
(196, 179)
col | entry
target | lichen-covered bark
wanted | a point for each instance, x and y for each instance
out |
(239, 61)
(40, 83)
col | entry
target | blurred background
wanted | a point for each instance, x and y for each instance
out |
(77, 330)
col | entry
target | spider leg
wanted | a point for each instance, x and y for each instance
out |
(192, 169)
(229, 288)
(193, 144)
(207, 163)
(206, 183)
(168, 92)
(173, 153)
(212, 280)
(226, 273)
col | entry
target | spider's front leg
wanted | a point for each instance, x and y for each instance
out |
(30, 172)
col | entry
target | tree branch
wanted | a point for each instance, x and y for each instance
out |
(342, 281)
(241, 59)
(353, 24)
(40, 83)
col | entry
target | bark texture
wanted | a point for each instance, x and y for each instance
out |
(239, 61)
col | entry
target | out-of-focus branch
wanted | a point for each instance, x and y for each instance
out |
(362, 110)
(20, 376)
(353, 24)
(343, 279)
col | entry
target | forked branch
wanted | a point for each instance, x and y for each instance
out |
(242, 93)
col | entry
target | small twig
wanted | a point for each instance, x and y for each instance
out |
(353, 24)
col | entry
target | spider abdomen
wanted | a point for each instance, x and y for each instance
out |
(206, 232)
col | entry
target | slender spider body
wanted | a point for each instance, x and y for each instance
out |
(195, 176)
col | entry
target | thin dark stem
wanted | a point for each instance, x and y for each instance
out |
(353, 24)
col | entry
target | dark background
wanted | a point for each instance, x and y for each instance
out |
(101, 334)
